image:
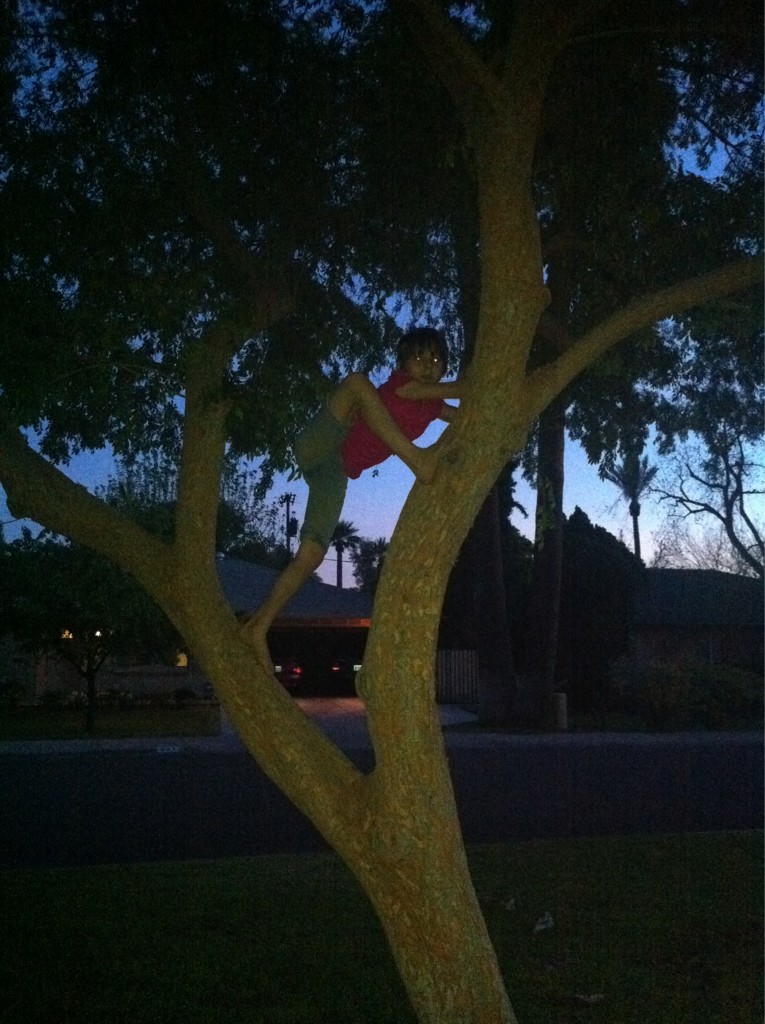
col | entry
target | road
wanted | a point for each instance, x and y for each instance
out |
(179, 800)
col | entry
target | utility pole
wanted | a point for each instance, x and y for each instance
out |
(291, 523)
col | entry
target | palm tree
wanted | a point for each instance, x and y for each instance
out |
(367, 563)
(344, 536)
(633, 477)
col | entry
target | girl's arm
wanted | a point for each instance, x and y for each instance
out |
(415, 390)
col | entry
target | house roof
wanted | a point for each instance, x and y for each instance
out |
(699, 597)
(246, 586)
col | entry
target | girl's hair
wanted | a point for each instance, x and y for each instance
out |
(421, 340)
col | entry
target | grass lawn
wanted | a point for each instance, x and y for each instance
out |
(661, 930)
(41, 723)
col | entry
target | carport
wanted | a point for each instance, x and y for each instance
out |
(323, 628)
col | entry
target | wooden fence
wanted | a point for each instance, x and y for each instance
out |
(457, 677)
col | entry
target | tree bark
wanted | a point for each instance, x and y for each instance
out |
(431, 917)
(418, 881)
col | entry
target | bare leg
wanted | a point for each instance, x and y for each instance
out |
(309, 557)
(356, 396)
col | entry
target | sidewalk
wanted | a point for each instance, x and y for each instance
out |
(341, 718)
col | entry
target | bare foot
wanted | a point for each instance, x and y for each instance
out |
(425, 464)
(254, 632)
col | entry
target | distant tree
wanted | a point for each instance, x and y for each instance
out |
(345, 537)
(487, 598)
(633, 477)
(64, 599)
(367, 557)
(146, 489)
(655, 199)
(518, 570)
(717, 478)
(683, 545)
(600, 576)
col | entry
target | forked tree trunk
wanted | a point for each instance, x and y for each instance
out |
(397, 828)
(414, 867)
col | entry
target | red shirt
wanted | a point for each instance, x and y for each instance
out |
(362, 449)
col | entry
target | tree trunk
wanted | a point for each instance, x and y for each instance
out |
(551, 339)
(90, 702)
(431, 917)
(397, 828)
(635, 513)
(414, 867)
(339, 567)
(495, 658)
(475, 613)
(417, 876)
(534, 706)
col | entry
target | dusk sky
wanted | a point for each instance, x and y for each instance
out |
(373, 503)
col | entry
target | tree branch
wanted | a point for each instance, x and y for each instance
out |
(39, 491)
(731, 498)
(204, 441)
(271, 293)
(456, 63)
(545, 383)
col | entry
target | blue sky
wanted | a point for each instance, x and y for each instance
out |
(373, 502)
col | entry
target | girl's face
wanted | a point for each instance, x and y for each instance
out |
(427, 367)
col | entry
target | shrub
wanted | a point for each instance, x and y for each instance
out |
(184, 695)
(682, 695)
(668, 697)
(56, 698)
(115, 698)
(12, 693)
(727, 695)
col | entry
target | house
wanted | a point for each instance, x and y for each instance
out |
(701, 615)
(323, 628)
(316, 604)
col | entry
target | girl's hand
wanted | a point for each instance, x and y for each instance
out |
(413, 389)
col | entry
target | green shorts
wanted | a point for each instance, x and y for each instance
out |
(319, 459)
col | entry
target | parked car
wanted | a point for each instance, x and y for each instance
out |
(343, 675)
(289, 673)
